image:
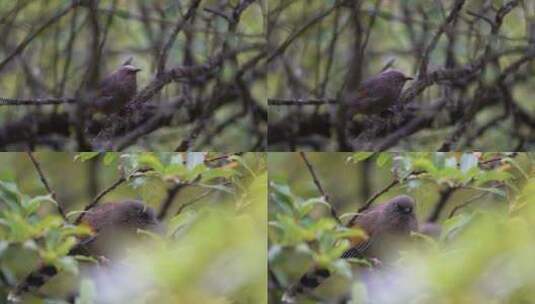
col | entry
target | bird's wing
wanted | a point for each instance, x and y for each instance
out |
(103, 101)
(81, 248)
(366, 221)
(358, 250)
(364, 97)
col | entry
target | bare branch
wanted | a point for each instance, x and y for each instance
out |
(46, 184)
(320, 188)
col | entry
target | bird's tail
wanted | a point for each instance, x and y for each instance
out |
(309, 281)
(33, 282)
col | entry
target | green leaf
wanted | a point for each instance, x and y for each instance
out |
(384, 159)
(33, 204)
(68, 264)
(49, 222)
(71, 230)
(350, 232)
(305, 207)
(110, 157)
(64, 247)
(516, 165)
(217, 172)
(177, 169)
(360, 156)
(83, 156)
(283, 197)
(424, 165)
(194, 172)
(152, 161)
(10, 195)
(487, 176)
(85, 258)
(242, 162)
(341, 266)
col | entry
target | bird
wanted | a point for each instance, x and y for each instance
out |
(116, 89)
(377, 93)
(386, 225)
(110, 223)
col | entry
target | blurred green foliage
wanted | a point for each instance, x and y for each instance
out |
(213, 249)
(482, 255)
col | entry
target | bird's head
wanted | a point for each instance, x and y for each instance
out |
(403, 204)
(138, 215)
(128, 70)
(395, 75)
(399, 213)
(128, 215)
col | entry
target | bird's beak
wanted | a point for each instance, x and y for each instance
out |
(408, 78)
(137, 70)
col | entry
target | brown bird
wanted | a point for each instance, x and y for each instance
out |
(116, 89)
(386, 225)
(378, 93)
(110, 223)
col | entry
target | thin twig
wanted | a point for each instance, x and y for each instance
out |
(370, 201)
(36, 33)
(35, 101)
(457, 6)
(178, 27)
(116, 184)
(468, 202)
(46, 184)
(282, 48)
(300, 102)
(99, 196)
(185, 144)
(225, 156)
(171, 194)
(191, 202)
(320, 188)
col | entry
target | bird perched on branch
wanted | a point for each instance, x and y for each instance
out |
(386, 226)
(378, 93)
(110, 223)
(116, 89)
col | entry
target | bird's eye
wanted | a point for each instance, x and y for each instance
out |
(405, 209)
